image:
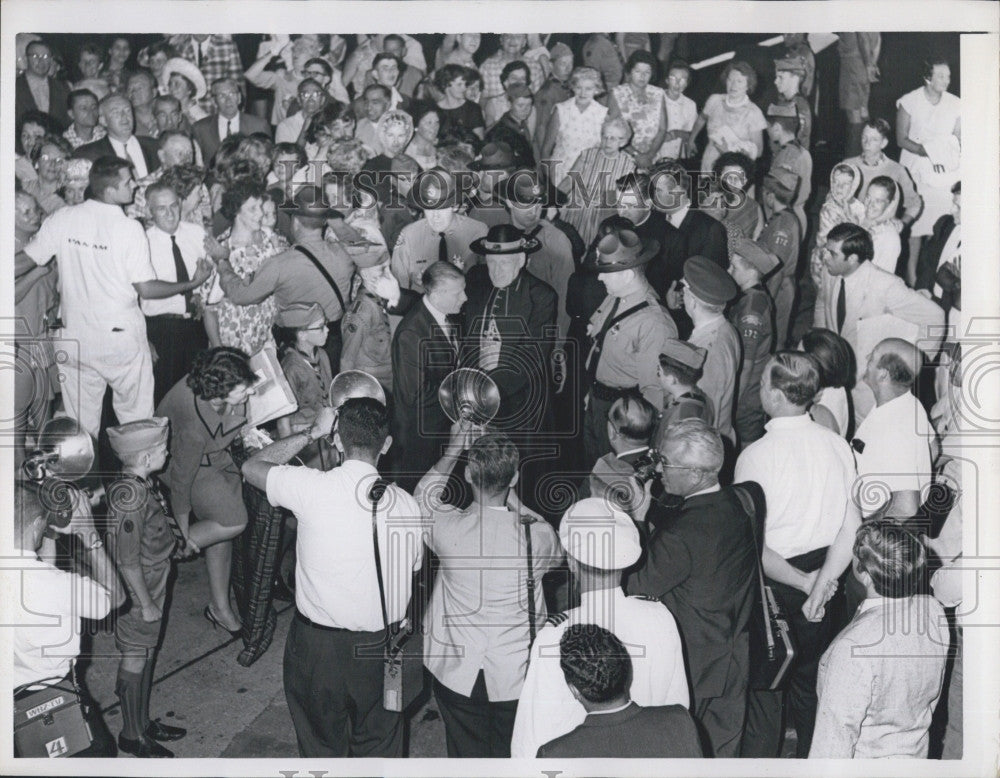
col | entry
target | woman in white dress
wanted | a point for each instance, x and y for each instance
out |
(575, 124)
(929, 135)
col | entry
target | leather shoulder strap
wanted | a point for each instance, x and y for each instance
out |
(323, 272)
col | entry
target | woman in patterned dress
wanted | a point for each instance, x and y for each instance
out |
(642, 106)
(734, 122)
(246, 327)
(599, 168)
(574, 125)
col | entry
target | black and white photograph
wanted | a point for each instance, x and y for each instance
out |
(465, 382)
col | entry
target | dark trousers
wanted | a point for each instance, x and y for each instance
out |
(333, 686)
(176, 341)
(765, 730)
(721, 718)
(595, 431)
(474, 726)
(333, 346)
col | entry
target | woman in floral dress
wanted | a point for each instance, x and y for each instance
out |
(642, 105)
(574, 125)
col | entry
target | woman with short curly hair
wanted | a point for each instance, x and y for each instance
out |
(207, 410)
(734, 121)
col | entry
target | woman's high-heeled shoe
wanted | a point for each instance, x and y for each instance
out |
(216, 623)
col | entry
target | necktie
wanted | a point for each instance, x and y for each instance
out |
(841, 307)
(181, 270)
(229, 127)
(175, 528)
(442, 248)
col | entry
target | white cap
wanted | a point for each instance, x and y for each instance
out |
(597, 534)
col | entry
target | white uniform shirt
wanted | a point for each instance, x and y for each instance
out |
(335, 580)
(101, 253)
(191, 241)
(807, 473)
(546, 709)
(896, 455)
(45, 605)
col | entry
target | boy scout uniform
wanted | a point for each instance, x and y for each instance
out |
(753, 317)
(782, 237)
(142, 533)
(368, 337)
(692, 404)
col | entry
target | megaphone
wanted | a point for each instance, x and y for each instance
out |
(469, 394)
(65, 453)
(354, 383)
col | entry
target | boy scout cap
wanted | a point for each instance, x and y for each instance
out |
(781, 180)
(138, 436)
(709, 282)
(796, 64)
(560, 50)
(782, 111)
(371, 256)
(299, 315)
(761, 259)
(683, 353)
(599, 535)
(514, 91)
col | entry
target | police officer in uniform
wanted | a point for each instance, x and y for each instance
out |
(443, 233)
(753, 317)
(366, 328)
(628, 331)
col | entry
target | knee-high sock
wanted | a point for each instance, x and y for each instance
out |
(147, 686)
(129, 691)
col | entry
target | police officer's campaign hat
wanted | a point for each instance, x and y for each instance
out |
(432, 190)
(682, 353)
(505, 239)
(495, 156)
(138, 436)
(524, 187)
(299, 315)
(709, 282)
(758, 257)
(622, 250)
(599, 535)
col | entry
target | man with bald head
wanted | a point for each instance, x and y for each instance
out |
(116, 111)
(893, 443)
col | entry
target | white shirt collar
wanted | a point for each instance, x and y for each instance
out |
(234, 124)
(439, 317)
(632, 451)
(871, 602)
(709, 490)
(678, 216)
(609, 710)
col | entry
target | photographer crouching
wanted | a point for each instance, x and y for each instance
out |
(53, 713)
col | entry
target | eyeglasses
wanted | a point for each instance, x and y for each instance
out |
(51, 158)
(42, 57)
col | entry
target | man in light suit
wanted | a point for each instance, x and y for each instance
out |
(230, 120)
(852, 289)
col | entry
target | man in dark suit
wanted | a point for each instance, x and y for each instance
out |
(120, 142)
(35, 90)
(510, 322)
(701, 564)
(598, 669)
(230, 120)
(424, 351)
(687, 231)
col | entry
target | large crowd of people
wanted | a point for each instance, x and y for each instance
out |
(713, 371)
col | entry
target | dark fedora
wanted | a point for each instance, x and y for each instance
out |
(524, 187)
(495, 156)
(308, 202)
(622, 250)
(505, 239)
(432, 190)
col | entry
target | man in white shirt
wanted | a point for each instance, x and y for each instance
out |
(175, 249)
(104, 268)
(807, 473)
(600, 542)
(893, 443)
(333, 669)
(45, 604)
